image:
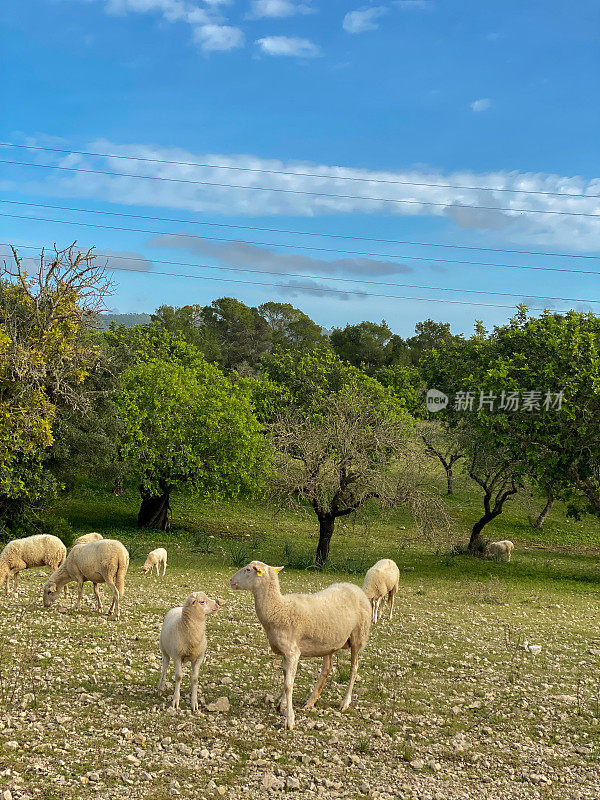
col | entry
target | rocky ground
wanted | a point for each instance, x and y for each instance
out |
(450, 703)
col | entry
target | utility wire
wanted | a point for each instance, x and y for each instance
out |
(389, 257)
(301, 233)
(111, 257)
(291, 173)
(300, 191)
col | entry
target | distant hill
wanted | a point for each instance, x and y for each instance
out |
(129, 320)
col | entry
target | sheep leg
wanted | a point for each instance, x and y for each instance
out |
(194, 683)
(99, 601)
(391, 598)
(325, 670)
(164, 568)
(16, 583)
(115, 602)
(163, 674)
(157, 568)
(290, 665)
(178, 677)
(79, 594)
(353, 673)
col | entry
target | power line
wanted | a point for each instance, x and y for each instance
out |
(263, 171)
(302, 233)
(204, 238)
(300, 191)
(111, 257)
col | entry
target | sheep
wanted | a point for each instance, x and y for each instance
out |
(183, 638)
(500, 551)
(41, 550)
(381, 581)
(104, 561)
(309, 625)
(88, 537)
(154, 559)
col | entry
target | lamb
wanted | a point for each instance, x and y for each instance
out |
(183, 638)
(309, 625)
(381, 581)
(88, 537)
(499, 550)
(154, 559)
(41, 550)
(103, 561)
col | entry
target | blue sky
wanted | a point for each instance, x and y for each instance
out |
(470, 94)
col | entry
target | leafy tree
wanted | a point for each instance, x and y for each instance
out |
(444, 444)
(45, 356)
(407, 384)
(340, 457)
(291, 329)
(363, 344)
(187, 427)
(189, 322)
(242, 334)
(429, 335)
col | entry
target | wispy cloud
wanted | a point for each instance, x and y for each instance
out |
(277, 9)
(288, 46)
(481, 105)
(209, 27)
(363, 19)
(267, 259)
(328, 194)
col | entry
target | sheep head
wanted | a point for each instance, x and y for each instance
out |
(252, 575)
(50, 593)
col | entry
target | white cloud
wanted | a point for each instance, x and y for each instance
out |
(218, 37)
(278, 9)
(208, 25)
(400, 185)
(363, 19)
(481, 105)
(288, 46)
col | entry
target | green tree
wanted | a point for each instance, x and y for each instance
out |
(242, 334)
(429, 335)
(291, 329)
(187, 427)
(363, 344)
(189, 322)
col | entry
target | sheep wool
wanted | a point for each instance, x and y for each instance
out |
(381, 581)
(88, 537)
(307, 625)
(154, 559)
(41, 550)
(499, 550)
(183, 638)
(103, 561)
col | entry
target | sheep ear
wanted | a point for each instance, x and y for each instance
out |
(256, 569)
(277, 569)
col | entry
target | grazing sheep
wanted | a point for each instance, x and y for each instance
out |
(88, 537)
(41, 550)
(381, 581)
(183, 638)
(310, 625)
(499, 550)
(104, 561)
(154, 559)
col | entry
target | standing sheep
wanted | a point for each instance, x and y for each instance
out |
(41, 550)
(310, 625)
(88, 537)
(381, 581)
(104, 561)
(183, 638)
(499, 550)
(154, 559)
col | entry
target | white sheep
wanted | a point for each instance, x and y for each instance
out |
(183, 638)
(154, 559)
(310, 625)
(41, 550)
(381, 581)
(499, 550)
(88, 537)
(103, 561)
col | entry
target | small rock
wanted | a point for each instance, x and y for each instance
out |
(220, 704)
(292, 783)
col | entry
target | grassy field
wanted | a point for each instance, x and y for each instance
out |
(448, 704)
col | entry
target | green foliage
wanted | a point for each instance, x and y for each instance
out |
(364, 344)
(190, 426)
(291, 329)
(242, 334)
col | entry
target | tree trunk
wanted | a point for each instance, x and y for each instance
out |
(450, 479)
(544, 513)
(326, 524)
(476, 542)
(154, 511)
